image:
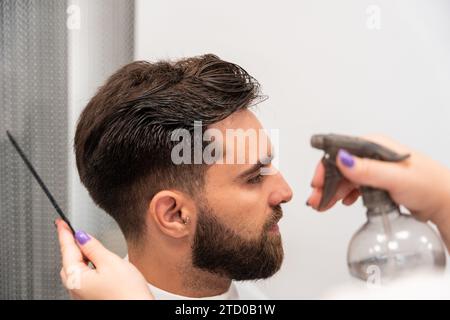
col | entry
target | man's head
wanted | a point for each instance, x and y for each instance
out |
(223, 213)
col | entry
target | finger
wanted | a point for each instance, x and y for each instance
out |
(71, 254)
(351, 198)
(319, 173)
(314, 198)
(319, 176)
(93, 250)
(388, 143)
(373, 173)
(344, 189)
(63, 224)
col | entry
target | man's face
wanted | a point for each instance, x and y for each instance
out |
(236, 232)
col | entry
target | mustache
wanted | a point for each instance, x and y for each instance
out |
(275, 217)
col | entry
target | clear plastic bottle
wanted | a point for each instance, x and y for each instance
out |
(393, 244)
(390, 244)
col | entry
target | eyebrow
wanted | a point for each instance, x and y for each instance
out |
(258, 165)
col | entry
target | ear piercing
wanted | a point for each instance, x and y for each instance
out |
(186, 220)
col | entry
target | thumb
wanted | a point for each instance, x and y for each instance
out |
(369, 172)
(93, 250)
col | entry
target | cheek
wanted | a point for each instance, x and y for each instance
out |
(245, 212)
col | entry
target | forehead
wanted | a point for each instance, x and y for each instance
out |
(242, 135)
(243, 119)
(228, 172)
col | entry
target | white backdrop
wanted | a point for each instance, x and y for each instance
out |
(349, 66)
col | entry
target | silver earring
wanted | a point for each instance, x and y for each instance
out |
(186, 221)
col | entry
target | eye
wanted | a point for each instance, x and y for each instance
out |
(256, 179)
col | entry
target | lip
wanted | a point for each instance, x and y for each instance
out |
(274, 228)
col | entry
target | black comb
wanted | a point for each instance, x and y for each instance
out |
(39, 180)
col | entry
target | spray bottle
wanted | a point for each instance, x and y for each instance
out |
(390, 244)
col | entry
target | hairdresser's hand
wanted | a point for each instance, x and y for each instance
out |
(113, 277)
(419, 183)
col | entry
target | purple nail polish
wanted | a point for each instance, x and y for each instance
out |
(82, 237)
(346, 158)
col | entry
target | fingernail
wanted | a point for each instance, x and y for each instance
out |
(82, 237)
(56, 226)
(346, 158)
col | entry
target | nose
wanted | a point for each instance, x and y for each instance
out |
(282, 192)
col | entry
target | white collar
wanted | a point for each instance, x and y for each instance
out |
(159, 294)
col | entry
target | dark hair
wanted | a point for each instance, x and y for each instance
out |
(123, 138)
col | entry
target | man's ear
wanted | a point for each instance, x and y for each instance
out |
(172, 212)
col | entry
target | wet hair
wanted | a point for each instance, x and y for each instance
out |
(123, 137)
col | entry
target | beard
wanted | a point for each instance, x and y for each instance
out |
(219, 249)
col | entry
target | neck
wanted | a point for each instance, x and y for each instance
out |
(169, 267)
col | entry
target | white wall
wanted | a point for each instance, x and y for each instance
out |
(325, 71)
(100, 41)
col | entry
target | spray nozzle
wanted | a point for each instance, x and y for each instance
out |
(331, 143)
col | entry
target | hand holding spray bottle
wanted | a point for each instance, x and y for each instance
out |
(394, 243)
